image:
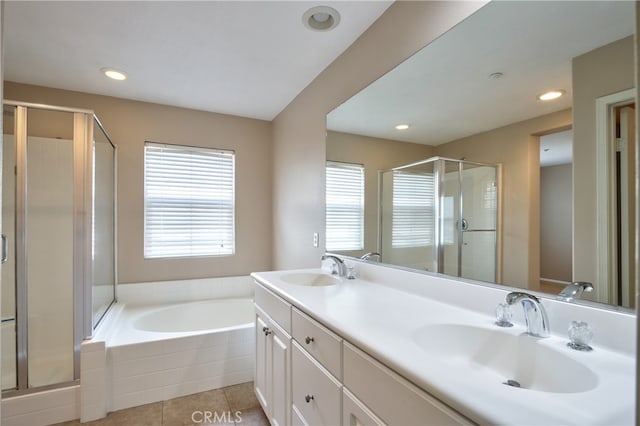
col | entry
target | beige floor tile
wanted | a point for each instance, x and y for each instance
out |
(241, 397)
(203, 408)
(252, 417)
(144, 415)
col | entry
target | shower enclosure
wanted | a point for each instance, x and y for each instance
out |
(58, 234)
(442, 215)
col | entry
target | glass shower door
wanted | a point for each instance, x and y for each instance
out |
(48, 251)
(8, 310)
(479, 197)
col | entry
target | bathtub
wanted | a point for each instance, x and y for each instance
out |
(154, 352)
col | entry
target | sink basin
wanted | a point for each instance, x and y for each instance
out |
(516, 360)
(310, 279)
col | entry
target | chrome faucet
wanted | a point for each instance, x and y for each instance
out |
(575, 290)
(371, 254)
(339, 268)
(535, 315)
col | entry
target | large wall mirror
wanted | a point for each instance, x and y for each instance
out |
(556, 176)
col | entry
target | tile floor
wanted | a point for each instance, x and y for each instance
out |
(233, 405)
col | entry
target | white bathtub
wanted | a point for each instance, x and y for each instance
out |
(159, 352)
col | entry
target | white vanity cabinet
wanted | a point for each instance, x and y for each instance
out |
(273, 356)
(308, 375)
(393, 399)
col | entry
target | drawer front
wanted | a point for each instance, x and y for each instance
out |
(324, 345)
(274, 306)
(355, 413)
(316, 395)
(392, 398)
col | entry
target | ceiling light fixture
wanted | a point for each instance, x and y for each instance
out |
(114, 74)
(551, 94)
(402, 127)
(321, 18)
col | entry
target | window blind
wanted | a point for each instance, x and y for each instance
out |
(413, 210)
(345, 206)
(188, 201)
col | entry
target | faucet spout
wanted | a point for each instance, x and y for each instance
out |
(535, 314)
(575, 290)
(339, 268)
(371, 254)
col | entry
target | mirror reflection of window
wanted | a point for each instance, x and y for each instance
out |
(413, 210)
(344, 206)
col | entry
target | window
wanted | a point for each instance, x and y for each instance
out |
(412, 213)
(188, 201)
(345, 206)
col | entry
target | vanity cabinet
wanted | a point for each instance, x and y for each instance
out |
(273, 356)
(308, 375)
(393, 399)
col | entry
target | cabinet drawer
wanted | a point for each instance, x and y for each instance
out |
(316, 395)
(324, 345)
(274, 306)
(393, 399)
(355, 413)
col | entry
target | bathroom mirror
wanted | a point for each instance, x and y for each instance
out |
(567, 172)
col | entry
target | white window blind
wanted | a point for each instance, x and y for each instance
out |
(188, 201)
(345, 206)
(413, 210)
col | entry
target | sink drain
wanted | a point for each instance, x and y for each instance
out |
(512, 383)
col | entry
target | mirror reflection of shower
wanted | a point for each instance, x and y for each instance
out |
(442, 215)
(58, 221)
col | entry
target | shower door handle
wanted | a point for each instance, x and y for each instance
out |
(5, 249)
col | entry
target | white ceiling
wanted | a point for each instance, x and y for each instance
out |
(444, 91)
(246, 58)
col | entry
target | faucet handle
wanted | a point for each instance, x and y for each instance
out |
(580, 334)
(504, 315)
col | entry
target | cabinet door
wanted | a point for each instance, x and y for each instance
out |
(263, 361)
(280, 361)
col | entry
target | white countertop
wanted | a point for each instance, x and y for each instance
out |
(382, 321)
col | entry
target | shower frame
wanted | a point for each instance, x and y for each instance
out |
(439, 177)
(83, 187)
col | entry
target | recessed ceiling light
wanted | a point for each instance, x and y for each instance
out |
(551, 94)
(402, 127)
(114, 74)
(321, 18)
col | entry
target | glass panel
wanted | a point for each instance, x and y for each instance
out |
(49, 224)
(102, 253)
(408, 232)
(450, 199)
(480, 202)
(8, 328)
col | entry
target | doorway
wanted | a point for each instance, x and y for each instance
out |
(556, 217)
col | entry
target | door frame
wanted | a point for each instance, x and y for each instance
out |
(606, 256)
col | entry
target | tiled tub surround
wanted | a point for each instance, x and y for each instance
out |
(382, 311)
(123, 366)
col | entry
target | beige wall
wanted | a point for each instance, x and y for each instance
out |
(375, 154)
(130, 124)
(555, 222)
(600, 72)
(516, 147)
(299, 131)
